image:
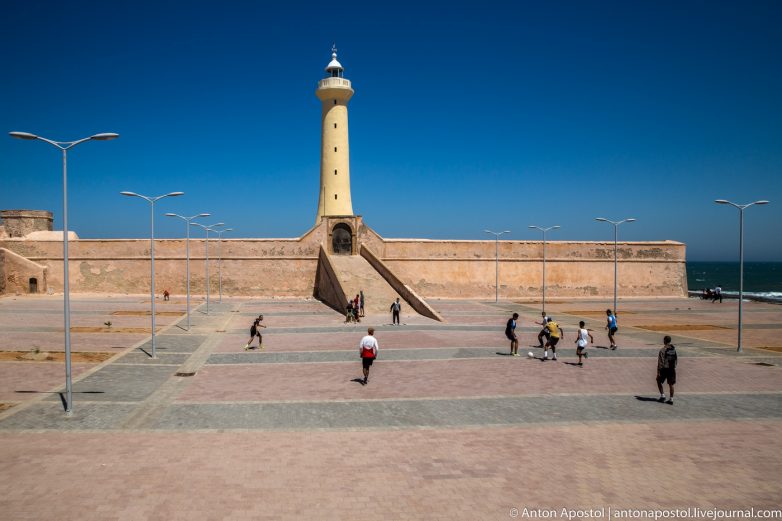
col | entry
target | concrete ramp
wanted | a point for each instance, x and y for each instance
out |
(340, 277)
(354, 273)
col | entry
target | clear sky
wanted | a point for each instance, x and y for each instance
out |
(466, 116)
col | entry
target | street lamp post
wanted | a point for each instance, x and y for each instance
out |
(64, 146)
(741, 208)
(220, 258)
(187, 254)
(151, 201)
(616, 262)
(207, 229)
(496, 262)
(544, 230)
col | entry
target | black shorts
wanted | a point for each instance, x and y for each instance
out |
(367, 362)
(613, 330)
(552, 341)
(667, 374)
(511, 336)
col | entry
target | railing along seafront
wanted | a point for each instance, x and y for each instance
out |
(333, 82)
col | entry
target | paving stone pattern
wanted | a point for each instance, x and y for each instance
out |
(449, 427)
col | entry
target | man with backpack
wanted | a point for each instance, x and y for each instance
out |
(367, 348)
(666, 369)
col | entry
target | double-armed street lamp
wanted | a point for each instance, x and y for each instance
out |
(65, 146)
(207, 229)
(544, 230)
(496, 262)
(616, 235)
(187, 254)
(741, 208)
(220, 258)
(151, 201)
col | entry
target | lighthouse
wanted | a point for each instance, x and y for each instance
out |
(334, 93)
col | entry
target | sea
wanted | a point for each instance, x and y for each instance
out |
(761, 279)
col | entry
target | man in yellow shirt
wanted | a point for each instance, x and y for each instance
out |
(555, 333)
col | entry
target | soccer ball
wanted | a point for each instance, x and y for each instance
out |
(531, 354)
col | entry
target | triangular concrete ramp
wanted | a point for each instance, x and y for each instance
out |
(355, 274)
(342, 276)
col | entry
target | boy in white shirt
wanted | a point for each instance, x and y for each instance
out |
(367, 348)
(581, 341)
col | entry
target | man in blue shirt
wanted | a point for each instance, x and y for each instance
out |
(510, 333)
(611, 327)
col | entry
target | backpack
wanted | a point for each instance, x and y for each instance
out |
(670, 357)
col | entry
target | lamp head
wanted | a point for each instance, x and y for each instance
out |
(601, 219)
(130, 194)
(23, 135)
(506, 231)
(762, 202)
(203, 215)
(721, 201)
(630, 220)
(171, 215)
(175, 194)
(227, 230)
(104, 136)
(555, 227)
(217, 224)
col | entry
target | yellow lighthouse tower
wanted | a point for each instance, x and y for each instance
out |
(334, 92)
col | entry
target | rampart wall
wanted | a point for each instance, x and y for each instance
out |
(433, 269)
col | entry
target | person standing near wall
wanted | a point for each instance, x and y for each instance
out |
(361, 302)
(396, 309)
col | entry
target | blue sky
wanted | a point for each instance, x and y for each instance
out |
(466, 116)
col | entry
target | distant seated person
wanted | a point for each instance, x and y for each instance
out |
(706, 294)
(349, 316)
(166, 294)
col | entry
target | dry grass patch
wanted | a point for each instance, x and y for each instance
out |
(681, 327)
(593, 313)
(147, 313)
(93, 329)
(56, 356)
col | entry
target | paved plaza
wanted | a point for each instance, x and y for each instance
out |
(449, 426)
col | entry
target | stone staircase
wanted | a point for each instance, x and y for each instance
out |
(354, 273)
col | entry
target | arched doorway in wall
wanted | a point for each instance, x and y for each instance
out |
(342, 239)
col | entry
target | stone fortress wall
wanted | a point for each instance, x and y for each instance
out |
(288, 267)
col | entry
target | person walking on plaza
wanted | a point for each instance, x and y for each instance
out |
(510, 333)
(258, 326)
(555, 333)
(611, 327)
(367, 348)
(717, 295)
(666, 369)
(543, 332)
(361, 303)
(254, 333)
(581, 341)
(166, 294)
(396, 308)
